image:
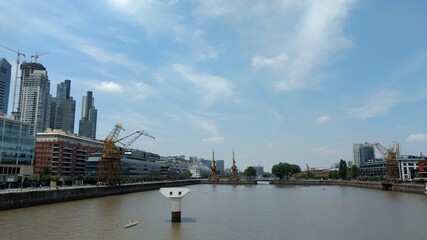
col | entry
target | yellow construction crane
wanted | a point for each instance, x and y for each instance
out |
(109, 166)
(19, 53)
(37, 55)
(392, 167)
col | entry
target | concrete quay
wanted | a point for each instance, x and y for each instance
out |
(398, 187)
(227, 181)
(40, 196)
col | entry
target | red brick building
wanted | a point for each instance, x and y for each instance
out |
(422, 165)
(64, 153)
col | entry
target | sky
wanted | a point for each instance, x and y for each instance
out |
(277, 81)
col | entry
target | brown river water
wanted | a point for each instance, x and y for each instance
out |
(229, 212)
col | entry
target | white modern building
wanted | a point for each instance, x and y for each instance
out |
(408, 166)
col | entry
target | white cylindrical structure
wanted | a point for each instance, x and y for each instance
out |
(175, 195)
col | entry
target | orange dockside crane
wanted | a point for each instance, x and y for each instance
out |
(110, 165)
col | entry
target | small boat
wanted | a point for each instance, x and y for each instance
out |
(131, 224)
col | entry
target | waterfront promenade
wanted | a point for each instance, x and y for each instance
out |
(19, 198)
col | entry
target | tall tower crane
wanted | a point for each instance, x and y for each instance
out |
(37, 55)
(109, 167)
(19, 53)
(392, 168)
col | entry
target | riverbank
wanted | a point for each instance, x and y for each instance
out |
(228, 181)
(398, 187)
(28, 198)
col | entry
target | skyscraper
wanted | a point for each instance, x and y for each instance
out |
(5, 69)
(63, 108)
(363, 152)
(87, 123)
(34, 96)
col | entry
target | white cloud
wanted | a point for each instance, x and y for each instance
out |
(380, 104)
(213, 139)
(421, 137)
(160, 18)
(260, 61)
(212, 88)
(141, 90)
(277, 116)
(206, 126)
(318, 38)
(108, 87)
(325, 150)
(323, 118)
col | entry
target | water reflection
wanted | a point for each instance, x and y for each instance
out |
(178, 229)
(175, 231)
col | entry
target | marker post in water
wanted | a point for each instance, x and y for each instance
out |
(175, 195)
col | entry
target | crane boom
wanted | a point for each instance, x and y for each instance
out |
(37, 55)
(384, 151)
(139, 133)
(19, 53)
(392, 168)
(109, 167)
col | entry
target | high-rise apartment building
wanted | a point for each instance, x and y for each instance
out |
(362, 153)
(5, 74)
(63, 108)
(87, 123)
(34, 97)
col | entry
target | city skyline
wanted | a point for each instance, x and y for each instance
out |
(284, 81)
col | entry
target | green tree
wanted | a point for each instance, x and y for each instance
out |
(267, 175)
(285, 169)
(343, 169)
(334, 174)
(354, 171)
(250, 172)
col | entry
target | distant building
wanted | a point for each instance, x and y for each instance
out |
(16, 150)
(408, 166)
(63, 152)
(375, 168)
(259, 170)
(87, 123)
(135, 163)
(63, 108)
(34, 97)
(174, 165)
(219, 166)
(363, 152)
(5, 74)
(199, 170)
(192, 159)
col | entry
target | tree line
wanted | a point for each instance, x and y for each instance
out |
(286, 170)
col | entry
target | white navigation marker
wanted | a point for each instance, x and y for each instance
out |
(175, 195)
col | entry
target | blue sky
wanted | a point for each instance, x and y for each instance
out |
(278, 81)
